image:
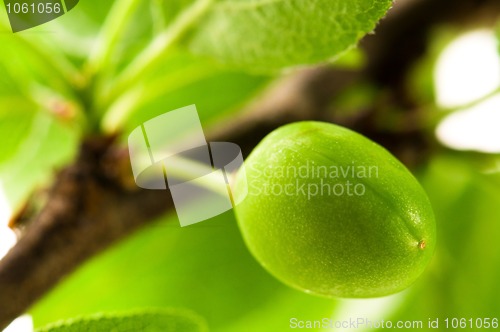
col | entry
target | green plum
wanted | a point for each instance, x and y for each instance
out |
(329, 212)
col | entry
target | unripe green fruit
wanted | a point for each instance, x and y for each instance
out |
(332, 213)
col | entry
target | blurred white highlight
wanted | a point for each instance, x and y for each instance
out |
(21, 324)
(375, 309)
(476, 128)
(7, 236)
(468, 69)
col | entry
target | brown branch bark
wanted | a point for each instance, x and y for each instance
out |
(86, 212)
(91, 205)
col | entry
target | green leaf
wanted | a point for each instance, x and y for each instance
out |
(204, 267)
(267, 35)
(30, 59)
(258, 35)
(184, 80)
(16, 116)
(215, 96)
(35, 145)
(73, 33)
(170, 9)
(165, 320)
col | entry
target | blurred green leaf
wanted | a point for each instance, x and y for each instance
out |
(353, 58)
(184, 80)
(16, 117)
(171, 320)
(354, 99)
(170, 9)
(73, 33)
(35, 145)
(268, 35)
(215, 96)
(28, 60)
(204, 267)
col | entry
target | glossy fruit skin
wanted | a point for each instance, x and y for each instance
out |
(354, 246)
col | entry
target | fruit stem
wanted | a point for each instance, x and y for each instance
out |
(187, 170)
